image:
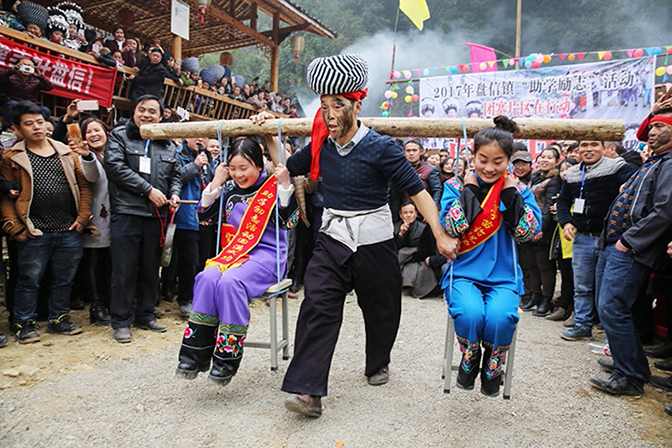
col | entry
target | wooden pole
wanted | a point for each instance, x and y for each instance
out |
(530, 128)
(275, 53)
(519, 12)
(177, 49)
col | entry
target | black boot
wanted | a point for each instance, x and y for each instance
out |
(228, 353)
(98, 313)
(491, 374)
(471, 361)
(544, 308)
(531, 302)
(198, 344)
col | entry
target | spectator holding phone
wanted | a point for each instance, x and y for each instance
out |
(23, 82)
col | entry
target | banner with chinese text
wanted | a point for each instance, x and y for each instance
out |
(614, 89)
(71, 79)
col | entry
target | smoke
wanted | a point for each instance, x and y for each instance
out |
(629, 24)
(415, 50)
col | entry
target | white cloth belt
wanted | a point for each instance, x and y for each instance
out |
(358, 228)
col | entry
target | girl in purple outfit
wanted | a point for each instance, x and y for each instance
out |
(244, 269)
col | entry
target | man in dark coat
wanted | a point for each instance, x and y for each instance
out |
(149, 77)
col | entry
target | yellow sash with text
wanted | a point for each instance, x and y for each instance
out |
(488, 222)
(255, 219)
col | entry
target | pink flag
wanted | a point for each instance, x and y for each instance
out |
(480, 53)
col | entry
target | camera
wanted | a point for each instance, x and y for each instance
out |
(27, 69)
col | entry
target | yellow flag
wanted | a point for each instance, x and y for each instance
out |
(416, 10)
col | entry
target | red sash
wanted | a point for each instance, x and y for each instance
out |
(251, 229)
(488, 222)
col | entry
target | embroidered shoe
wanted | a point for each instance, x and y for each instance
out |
(26, 332)
(576, 334)
(62, 325)
(468, 369)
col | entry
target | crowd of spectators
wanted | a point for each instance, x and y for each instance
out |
(150, 62)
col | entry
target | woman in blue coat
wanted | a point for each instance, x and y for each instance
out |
(490, 213)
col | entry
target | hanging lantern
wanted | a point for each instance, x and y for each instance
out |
(297, 41)
(126, 17)
(225, 59)
(202, 4)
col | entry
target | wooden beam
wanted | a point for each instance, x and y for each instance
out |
(287, 30)
(530, 128)
(253, 16)
(224, 17)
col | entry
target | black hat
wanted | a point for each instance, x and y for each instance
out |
(33, 14)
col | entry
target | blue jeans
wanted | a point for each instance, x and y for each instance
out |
(64, 249)
(618, 280)
(584, 260)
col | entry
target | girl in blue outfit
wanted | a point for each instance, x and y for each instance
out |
(489, 214)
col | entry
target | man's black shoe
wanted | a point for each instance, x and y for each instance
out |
(664, 365)
(27, 333)
(152, 325)
(606, 364)
(615, 384)
(3, 341)
(662, 382)
(62, 325)
(662, 351)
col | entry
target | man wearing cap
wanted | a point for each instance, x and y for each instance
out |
(149, 77)
(633, 243)
(355, 248)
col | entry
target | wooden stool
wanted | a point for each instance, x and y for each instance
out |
(275, 345)
(448, 366)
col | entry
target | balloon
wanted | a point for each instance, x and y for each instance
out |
(528, 64)
(384, 105)
(547, 58)
(539, 58)
(660, 71)
(425, 72)
(607, 55)
(409, 90)
(464, 68)
(453, 70)
(571, 57)
(638, 53)
(669, 70)
(657, 51)
(407, 98)
(415, 98)
(407, 74)
(511, 62)
(397, 74)
(483, 66)
(385, 114)
(536, 64)
(387, 94)
(394, 95)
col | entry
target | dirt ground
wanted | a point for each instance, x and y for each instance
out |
(87, 389)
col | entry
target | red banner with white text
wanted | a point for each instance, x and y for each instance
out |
(71, 79)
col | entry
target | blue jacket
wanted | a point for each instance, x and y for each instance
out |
(186, 217)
